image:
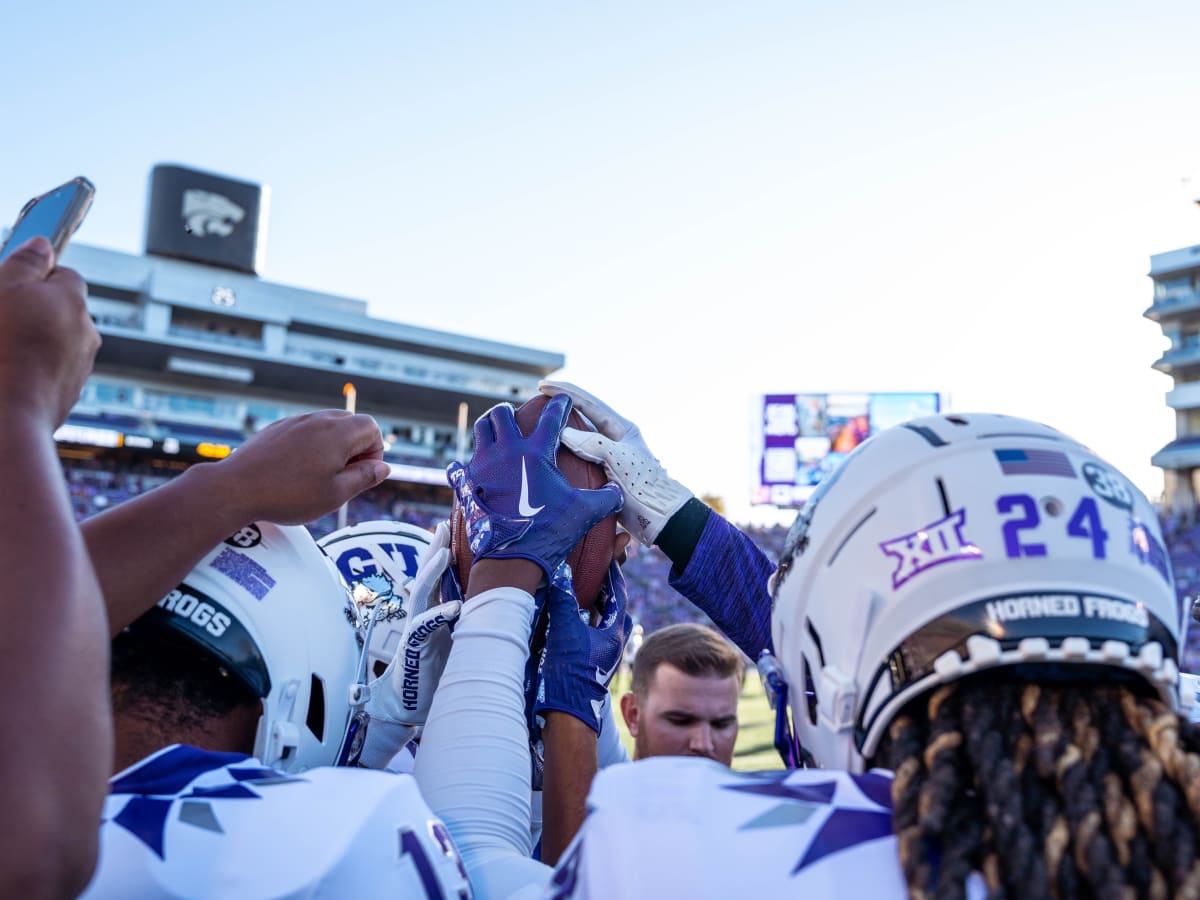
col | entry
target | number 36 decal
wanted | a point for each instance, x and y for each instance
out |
(1084, 523)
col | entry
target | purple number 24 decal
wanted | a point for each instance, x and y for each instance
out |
(1012, 528)
(1084, 523)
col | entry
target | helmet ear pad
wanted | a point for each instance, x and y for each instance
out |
(270, 608)
(952, 545)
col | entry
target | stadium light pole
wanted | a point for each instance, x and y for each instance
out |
(351, 395)
(461, 449)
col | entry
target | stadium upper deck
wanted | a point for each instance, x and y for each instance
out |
(1176, 308)
(197, 356)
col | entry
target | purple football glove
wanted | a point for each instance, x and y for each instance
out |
(579, 660)
(515, 501)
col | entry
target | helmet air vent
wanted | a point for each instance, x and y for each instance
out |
(316, 709)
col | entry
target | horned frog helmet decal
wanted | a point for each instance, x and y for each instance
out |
(377, 560)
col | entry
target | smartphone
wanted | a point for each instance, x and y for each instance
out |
(54, 215)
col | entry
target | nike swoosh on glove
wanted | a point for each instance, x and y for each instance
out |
(651, 495)
(580, 660)
(515, 501)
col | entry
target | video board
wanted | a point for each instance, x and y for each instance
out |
(803, 437)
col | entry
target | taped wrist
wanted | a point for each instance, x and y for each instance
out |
(682, 532)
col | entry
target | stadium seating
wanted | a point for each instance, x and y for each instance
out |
(97, 484)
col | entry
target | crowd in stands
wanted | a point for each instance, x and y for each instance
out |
(1182, 534)
(383, 503)
(97, 484)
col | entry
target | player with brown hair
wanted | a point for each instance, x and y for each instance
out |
(683, 700)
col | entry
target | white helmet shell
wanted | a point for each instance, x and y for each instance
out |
(377, 560)
(957, 543)
(271, 608)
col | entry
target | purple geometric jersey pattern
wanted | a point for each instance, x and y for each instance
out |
(160, 783)
(686, 827)
(844, 828)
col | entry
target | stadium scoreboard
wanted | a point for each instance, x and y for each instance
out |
(800, 438)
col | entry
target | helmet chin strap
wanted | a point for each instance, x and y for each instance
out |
(352, 743)
(356, 728)
(790, 750)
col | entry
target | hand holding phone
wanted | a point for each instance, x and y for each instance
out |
(55, 215)
(48, 341)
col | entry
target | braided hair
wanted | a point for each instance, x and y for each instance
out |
(1046, 789)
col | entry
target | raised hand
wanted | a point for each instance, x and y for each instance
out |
(300, 468)
(515, 501)
(47, 338)
(580, 659)
(293, 471)
(651, 495)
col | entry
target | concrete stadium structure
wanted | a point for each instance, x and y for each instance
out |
(1176, 309)
(199, 352)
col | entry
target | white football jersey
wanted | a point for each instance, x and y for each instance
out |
(192, 823)
(1189, 696)
(404, 760)
(683, 827)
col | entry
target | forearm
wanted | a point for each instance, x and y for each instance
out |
(143, 547)
(57, 753)
(474, 763)
(570, 767)
(725, 574)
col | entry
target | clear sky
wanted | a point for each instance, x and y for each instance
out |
(696, 202)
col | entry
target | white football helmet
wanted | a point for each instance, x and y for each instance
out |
(377, 560)
(953, 544)
(270, 607)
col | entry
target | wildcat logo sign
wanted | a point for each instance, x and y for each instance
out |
(207, 218)
(206, 212)
(937, 543)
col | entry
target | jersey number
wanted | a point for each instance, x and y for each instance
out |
(1084, 523)
(410, 845)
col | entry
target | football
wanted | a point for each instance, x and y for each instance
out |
(590, 558)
